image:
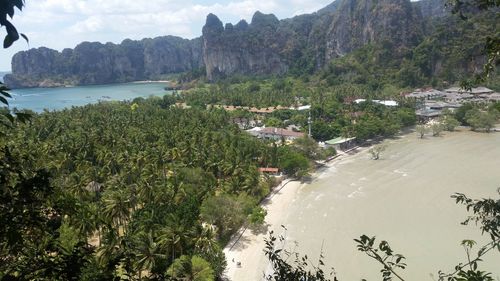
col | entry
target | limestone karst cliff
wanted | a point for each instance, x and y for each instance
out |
(266, 46)
(96, 63)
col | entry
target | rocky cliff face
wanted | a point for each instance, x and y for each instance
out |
(242, 49)
(360, 22)
(96, 63)
(431, 9)
(302, 44)
(269, 46)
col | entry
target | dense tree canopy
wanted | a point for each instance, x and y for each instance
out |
(131, 181)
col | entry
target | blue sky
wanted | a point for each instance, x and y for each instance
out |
(61, 24)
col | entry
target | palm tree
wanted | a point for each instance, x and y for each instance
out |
(175, 237)
(192, 268)
(148, 253)
(206, 241)
(84, 220)
(117, 206)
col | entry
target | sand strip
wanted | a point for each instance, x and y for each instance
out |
(247, 246)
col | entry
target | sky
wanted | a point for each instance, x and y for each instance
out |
(60, 24)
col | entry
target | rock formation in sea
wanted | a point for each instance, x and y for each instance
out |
(95, 63)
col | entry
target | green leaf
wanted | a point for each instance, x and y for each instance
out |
(23, 117)
(5, 94)
(19, 4)
(11, 36)
(3, 100)
(7, 42)
(10, 117)
(25, 38)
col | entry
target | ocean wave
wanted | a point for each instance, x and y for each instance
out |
(30, 95)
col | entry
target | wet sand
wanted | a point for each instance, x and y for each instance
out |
(403, 198)
(247, 247)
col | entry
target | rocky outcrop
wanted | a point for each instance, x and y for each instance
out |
(431, 9)
(96, 63)
(269, 46)
(243, 49)
(360, 22)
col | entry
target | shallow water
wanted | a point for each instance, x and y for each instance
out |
(403, 198)
(38, 99)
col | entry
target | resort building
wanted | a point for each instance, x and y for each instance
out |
(269, 171)
(341, 144)
(256, 110)
(390, 103)
(272, 133)
(432, 102)
(425, 115)
(456, 95)
(302, 107)
(244, 123)
(427, 94)
(473, 91)
(441, 105)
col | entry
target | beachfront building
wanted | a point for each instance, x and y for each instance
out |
(390, 103)
(256, 110)
(278, 134)
(302, 107)
(473, 91)
(494, 97)
(341, 144)
(431, 102)
(426, 94)
(425, 115)
(441, 105)
(245, 123)
(455, 96)
(269, 171)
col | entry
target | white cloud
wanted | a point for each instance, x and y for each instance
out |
(64, 23)
(90, 24)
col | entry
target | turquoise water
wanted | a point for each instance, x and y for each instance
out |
(38, 99)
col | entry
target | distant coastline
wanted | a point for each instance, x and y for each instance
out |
(2, 74)
(38, 99)
(55, 85)
(151, 81)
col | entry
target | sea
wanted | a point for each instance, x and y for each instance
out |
(40, 99)
(404, 198)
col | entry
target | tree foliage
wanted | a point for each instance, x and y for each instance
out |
(7, 9)
(132, 183)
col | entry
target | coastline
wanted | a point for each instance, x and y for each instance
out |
(247, 246)
(150, 81)
(70, 85)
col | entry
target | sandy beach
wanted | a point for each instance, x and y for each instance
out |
(247, 246)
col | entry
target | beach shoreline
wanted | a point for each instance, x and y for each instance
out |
(245, 256)
(246, 247)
